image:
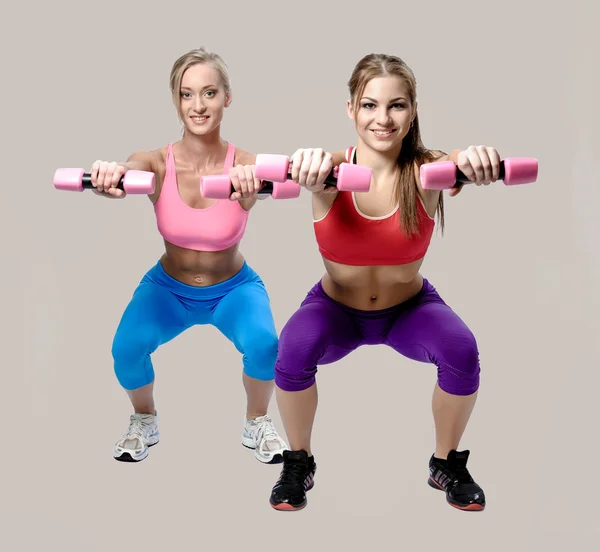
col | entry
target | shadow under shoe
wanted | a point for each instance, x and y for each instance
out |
(453, 477)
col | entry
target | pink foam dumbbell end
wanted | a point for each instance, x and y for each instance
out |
(69, 180)
(216, 186)
(272, 167)
(520, 170)
(285, 190)
(445, 175)
(438, 176)
(139, 182)
(353, 178)
(77, 180)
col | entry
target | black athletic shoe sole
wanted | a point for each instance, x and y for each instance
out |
(453, 503)
(287, 507)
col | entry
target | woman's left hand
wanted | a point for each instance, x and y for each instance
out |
(480, 164)
(244, 182)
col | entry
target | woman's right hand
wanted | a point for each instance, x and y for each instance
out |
(105, 176)
(310, 168)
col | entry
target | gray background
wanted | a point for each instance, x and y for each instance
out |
(83, 81)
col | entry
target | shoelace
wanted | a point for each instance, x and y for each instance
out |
(264, 428)
(292, 474)
(138, 427)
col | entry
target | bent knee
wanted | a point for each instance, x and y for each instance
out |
(131, 348)
(131, 355)
(458, 364)
(260, 355)
(296, 365)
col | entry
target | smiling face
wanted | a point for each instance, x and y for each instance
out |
(202, 99)
(383, 113)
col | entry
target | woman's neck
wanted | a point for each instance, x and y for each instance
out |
(203, 151)
(383, 164)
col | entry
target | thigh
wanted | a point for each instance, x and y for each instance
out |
(319, 332)
(430, 331)
(153, 316)
(245, 314)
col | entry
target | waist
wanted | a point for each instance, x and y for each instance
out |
(201, 268)
(159, 275)
(372, 288)
(360, 301)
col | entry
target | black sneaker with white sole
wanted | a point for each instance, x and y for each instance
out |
(296, 478)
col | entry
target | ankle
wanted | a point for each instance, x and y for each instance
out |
(299, 448)
(441, 453)
(254, 414)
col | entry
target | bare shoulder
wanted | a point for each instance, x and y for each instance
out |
(151, 157)
(439, 155)
(244, 157)
(435, 156)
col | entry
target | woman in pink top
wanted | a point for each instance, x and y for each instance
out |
(202, 278)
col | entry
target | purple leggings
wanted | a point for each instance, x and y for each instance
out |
(424, 328)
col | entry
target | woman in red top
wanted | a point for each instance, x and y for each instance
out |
(373, 245)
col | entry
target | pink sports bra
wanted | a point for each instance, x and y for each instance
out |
(214, 228)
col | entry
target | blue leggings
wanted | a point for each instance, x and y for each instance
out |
(162, 307)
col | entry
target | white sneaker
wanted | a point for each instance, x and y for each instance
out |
(260, 434)
(141, 434)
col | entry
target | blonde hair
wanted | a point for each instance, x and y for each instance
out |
(413, 151)
(187, 60)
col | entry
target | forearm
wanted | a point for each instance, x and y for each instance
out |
(138, 165)
(452, 156)
(338, 157)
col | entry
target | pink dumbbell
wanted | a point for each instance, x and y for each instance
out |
(219, 186)
(445, 175)
(345, 177)
(77, 180)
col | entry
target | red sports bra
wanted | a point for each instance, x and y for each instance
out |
(347, 236)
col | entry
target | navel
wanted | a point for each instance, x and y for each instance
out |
(373, 297)
(198, 279)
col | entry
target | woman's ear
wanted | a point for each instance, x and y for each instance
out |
(414, 114)
(350, 109)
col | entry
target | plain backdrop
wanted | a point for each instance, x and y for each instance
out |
(83, 81)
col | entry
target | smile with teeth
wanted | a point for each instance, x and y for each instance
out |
(200, 119)
(384, 133)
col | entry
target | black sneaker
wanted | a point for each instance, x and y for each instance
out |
(452, 477)
(297, 477)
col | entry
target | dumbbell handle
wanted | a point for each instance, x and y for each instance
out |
(86, 182)
(267, 188)
(461, 178)
(330, 181)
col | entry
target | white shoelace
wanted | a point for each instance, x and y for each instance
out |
(140, 427)
(263, 430)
